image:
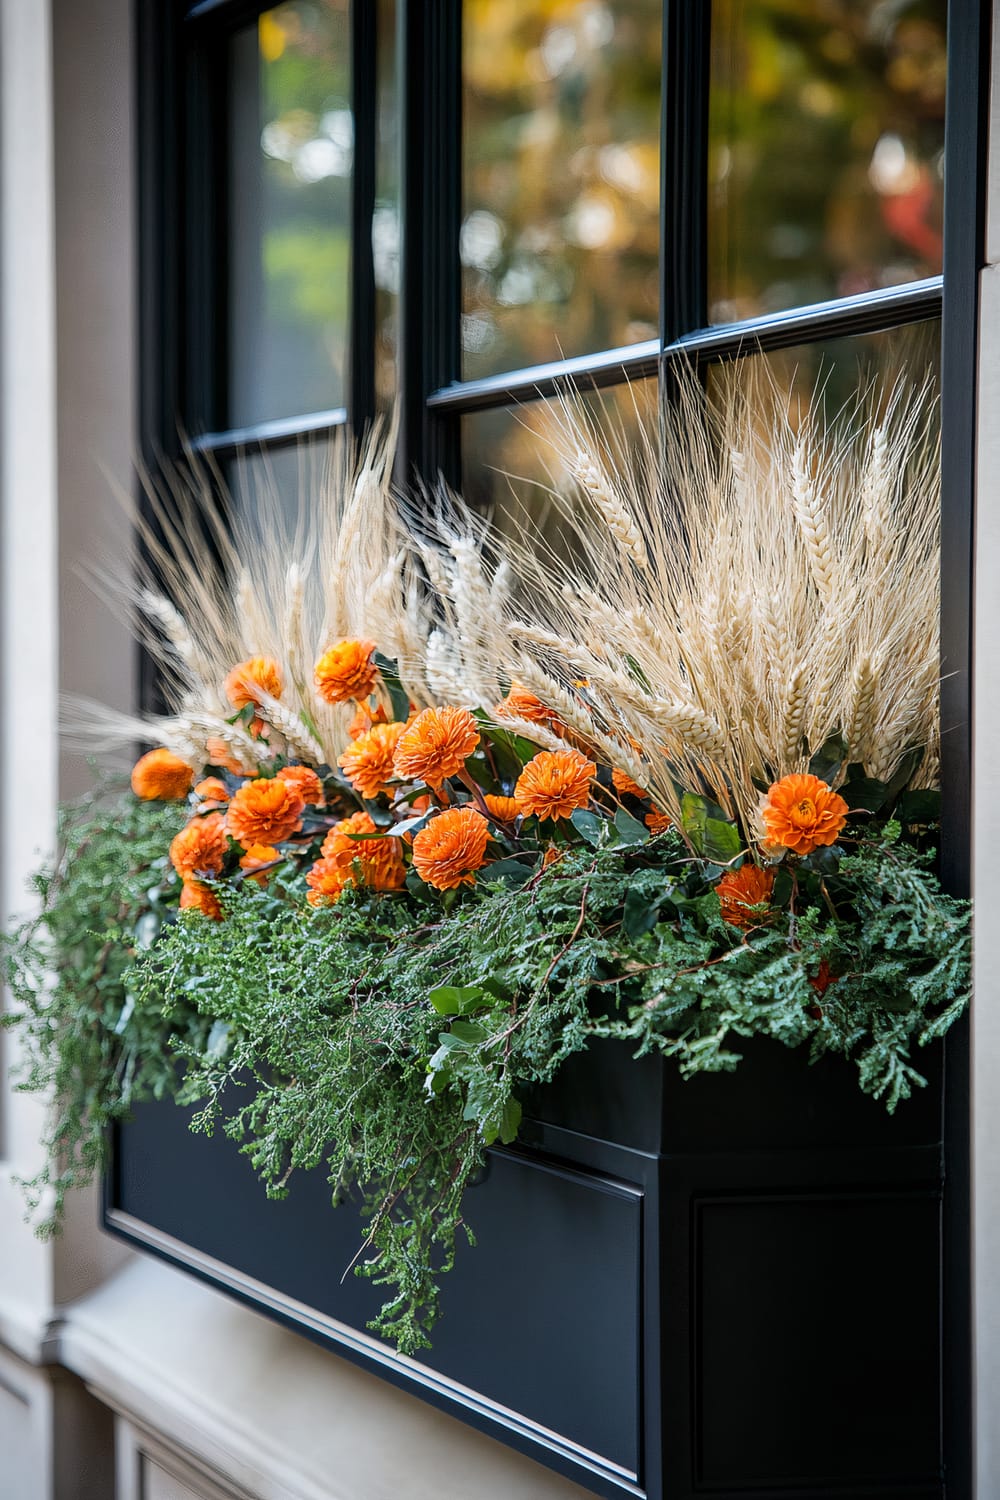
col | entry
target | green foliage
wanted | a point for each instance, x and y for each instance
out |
(86, 1044)
(389, 1039)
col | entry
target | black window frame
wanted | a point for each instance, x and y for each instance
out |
(181, 98)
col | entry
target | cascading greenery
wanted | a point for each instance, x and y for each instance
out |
(388, 1039)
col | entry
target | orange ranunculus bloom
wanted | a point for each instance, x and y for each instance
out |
(739, 891)
(366, 718)
(436, 745)
(346, 671)
(625, 786)
(657, 821)
(212, 791)
(305, 781)
(520, 704)
(161, 776)
(197, 896)
(256, 858)
(504, 809)
(260, 673)
(368, 763)
(264, 812)
(200, 847)
(801, 813)
(451, 848)
(554, 784)
(326, 880)
(219, 754)
(380, 860)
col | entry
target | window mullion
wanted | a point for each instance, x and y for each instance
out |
(683, 168)
(361, 337)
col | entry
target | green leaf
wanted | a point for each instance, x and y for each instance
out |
(829, 758)
(919, 807)
(590, 827)
(824, 860)
(458, 1000)
(512, 872)
(408, 825)
(865, 793)
(398, 696)
(510, 1121)
(630, 830)
(709, 830)
(641, 914)
(469, 1033)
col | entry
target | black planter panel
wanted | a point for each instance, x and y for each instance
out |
(729, 1287)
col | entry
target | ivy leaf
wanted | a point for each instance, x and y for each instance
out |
(919, 807)
(458, 1000)
(630, 830)
(825, 860)
(510, 1121)
(709, 829)
(468, 1033)
(398, 696)
(865, 793)
(512, 872)
(589, 826)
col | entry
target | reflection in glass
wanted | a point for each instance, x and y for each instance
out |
(826, 145)
(560, 232)
(285, 482)
(291, 148)
(385, 221)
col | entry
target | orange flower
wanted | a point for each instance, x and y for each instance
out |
(451, 848)
(305, 782)
(196, 896)
(368, 763)
(554, 783)
(436, 745)
(346, 671)
(658, 822)
(249, 678)
(801, 812)
(625, 786)
(326, 880)
(212, 791)
(739, 891)
(161, 776)
(200, 846)
(551, 856)
(256, 858)
(504, 809)
(264, 812)
(823, 978)
(520, 704)
(219, 754)
(366, 718)
(380, 860)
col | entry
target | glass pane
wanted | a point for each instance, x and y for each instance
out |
(560, 231)
(385, 223)
(288, 483)
(826, 145)
(291, 146)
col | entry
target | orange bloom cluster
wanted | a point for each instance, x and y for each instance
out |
(161, 776)
(802, 813)
(504, 809)
(247, 680)
(741, 890)
(451, 848)
(346, 857)
(436, 745)
(657, 821)
(554, 784)
(212, 792)
(346, 671)
(196, 896)
(200, 847)
(520, 704)
(625, 786)
(264, 812)
(305, 781)
(368, 763)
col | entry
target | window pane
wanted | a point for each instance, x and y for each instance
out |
(385, 223)
(560, 231)
(826, 141)
(285, 482)
(291, 145)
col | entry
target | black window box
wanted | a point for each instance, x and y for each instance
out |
(727, 1287)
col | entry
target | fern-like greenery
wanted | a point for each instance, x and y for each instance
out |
(388, 1039)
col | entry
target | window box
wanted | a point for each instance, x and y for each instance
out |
(727, 1285)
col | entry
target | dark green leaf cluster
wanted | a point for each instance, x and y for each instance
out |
(86, 1044)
